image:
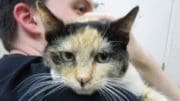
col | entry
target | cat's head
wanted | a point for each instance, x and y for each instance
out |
(86, 56)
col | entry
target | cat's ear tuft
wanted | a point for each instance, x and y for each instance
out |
(122, 27)
(129, 19)
(125, 24)
(50, 22)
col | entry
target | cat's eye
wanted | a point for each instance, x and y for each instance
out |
(102, 58)
(67, 56)
(55, 57)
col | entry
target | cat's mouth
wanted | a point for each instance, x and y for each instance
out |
(86, 90)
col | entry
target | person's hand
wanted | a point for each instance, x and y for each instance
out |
(94, 16)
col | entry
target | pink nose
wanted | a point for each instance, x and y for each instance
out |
(83, 80)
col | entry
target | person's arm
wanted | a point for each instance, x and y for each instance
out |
(144, 62)
(151, 71)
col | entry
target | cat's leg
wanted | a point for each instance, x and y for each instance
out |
(150, 94)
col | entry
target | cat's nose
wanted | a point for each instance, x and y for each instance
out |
(83, 80)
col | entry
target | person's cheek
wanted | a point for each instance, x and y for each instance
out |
(70, 16)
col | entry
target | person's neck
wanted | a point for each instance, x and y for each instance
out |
(29, 46)
(27, 51)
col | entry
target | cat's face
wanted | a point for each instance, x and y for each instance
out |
(86, 56)
(86, 60)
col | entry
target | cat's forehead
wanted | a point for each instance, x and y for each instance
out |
(100, 26)
(86, 38)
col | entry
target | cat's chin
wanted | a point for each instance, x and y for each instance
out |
(83, 91)
(88, 89)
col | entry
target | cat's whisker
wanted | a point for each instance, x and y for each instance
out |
(33, 78)
(38, 85)
(101, 95)
(106, 95)
(55, 89)
(117, 91)
(31, 89)
(111, 95)
(47, 87)
(43, 90)
(118, 84)
(113, 92)
(112, 81)
(61, 90)
(37, 78)
(118, 81)
(27, 84)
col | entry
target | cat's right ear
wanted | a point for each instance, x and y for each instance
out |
(121, 28)
(51, 23)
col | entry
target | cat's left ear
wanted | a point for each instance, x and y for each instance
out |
(122, 27)
(53, 26)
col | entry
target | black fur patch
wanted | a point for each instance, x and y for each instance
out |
(118, 43)
(72, 28)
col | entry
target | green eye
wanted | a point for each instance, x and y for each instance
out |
(102, 57)
(67, 57)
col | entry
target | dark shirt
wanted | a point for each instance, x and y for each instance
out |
(16, 68)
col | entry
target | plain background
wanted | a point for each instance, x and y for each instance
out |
(157, 27)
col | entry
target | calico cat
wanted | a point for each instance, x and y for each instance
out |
(90, 56)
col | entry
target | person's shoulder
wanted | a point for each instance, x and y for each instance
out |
(11, 63)
(15, 68)
(18, 59)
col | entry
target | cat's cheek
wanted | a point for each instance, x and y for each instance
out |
(70, 83)
(102, 74)
(76, 87)
(98, 84)
(102, 70)
(118, 69)
(54, 74)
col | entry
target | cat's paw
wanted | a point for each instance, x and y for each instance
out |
(152, 95)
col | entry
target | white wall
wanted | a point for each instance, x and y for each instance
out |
(172, 56)
(157, 28)
(151, 27)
